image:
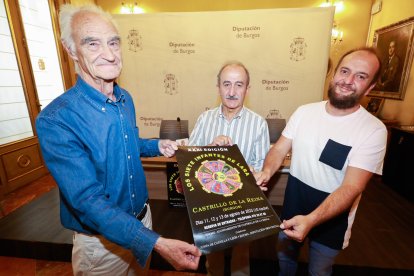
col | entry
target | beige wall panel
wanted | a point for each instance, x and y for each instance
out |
(171, 60)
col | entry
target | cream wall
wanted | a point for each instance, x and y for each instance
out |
(152, 6)
(182, 79)
(354, 21)
(355, 31)
(392, 12)
(83, 2)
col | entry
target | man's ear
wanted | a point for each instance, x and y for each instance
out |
(70, 52)
(248, 89)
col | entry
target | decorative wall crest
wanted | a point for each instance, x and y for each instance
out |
(170, 84)
(298, 49)
(134, 41)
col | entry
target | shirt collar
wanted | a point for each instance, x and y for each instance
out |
(238, 115)
(96, 96)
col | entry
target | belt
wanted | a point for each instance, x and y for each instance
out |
(143, 212)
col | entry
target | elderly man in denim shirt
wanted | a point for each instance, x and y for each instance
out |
(91, 145)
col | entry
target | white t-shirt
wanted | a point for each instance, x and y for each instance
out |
(323, 146)
(311, 127)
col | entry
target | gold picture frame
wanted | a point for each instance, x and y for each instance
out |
(395, 47)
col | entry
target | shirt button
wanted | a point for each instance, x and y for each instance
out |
(126, 136)
(103, 108)
(130, 176)
(135, 213)
(129, 156)
(109, 101)
(133, 195)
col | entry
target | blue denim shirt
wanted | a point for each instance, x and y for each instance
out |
(92, 148)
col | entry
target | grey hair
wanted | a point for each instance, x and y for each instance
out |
(233, 63)
(66, 15)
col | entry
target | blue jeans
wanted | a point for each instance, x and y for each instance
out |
(321, 257)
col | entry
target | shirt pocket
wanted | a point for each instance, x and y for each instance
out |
(334, 154)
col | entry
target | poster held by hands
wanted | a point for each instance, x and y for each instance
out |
(224, 204)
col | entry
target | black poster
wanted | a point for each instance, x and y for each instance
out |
(175, 188)
(224, 204)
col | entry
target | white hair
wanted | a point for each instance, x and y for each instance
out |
(66, 15)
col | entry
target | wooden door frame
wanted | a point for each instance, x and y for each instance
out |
(17, 156)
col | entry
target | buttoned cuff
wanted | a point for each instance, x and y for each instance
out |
(143, 245)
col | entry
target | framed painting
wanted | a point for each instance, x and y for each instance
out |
(395, 47)
(374, 105)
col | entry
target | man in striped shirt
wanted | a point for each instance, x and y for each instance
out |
(228, 124)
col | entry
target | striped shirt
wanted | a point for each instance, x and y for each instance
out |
(247, 129)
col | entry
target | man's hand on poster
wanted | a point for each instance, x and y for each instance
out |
(262, 178)
(179, 254)
(222, 140)
(297, 228)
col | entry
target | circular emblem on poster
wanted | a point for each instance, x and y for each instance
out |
(218, 177)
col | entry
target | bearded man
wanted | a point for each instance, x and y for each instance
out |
(336, 147)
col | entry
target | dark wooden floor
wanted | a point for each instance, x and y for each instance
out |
(381, 244)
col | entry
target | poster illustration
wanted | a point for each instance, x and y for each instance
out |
(175, 188)
(224, 204)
